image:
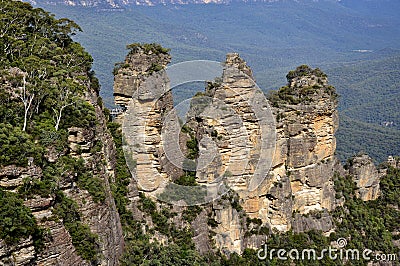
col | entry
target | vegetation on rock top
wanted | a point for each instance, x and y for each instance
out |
(305, 70)
(147, 48)
(305, 93)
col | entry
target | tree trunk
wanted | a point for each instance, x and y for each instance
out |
(25, 118)
(27, 106)
(58, 118)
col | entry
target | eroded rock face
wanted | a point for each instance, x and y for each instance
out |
(201, 233)
(300, 180)
(232, 134)
(366, 177)
(393, 162)
(60, 249)
(12, 176)
(230, 229)
(22, 253)
(136, 68)
(304, 161)
(295, 192)
(145, 93)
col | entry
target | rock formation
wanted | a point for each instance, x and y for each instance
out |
(142, 89)
(296, 193)
(300, 180)
(393, 162)
(366, 176)
(304, 162)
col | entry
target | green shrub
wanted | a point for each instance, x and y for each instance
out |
(146, 204)
(154, 68)
(82, 114)
(147, 48)
(16, 146)
(87, 181)
(93, 185)
(368, 224)
(33, 186)
(304, 70)
(84, 241)
(122, 176)
(16, 220)
(390, 188)
(191, 212)
(192, 195)
(192, 145)
(212, 222)
(188, 179)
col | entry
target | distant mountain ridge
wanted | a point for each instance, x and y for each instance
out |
(127, 3)
(274, 38)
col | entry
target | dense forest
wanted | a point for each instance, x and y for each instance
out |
(369, 116)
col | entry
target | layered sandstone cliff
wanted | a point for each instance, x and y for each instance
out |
(306, 122)
(100, 216)
(142, 88)
(300, 180)
(279, 160)
(366, 176)
(270, 162)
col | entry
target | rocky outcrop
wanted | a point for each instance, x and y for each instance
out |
(12, 176)
(393, 162)
(304, 162)
(366, 176)
(237, 140)
(201, 233)
(300, 181)
(138, 65)
(237, 122)
(141, 86)
(101, 217)
(230, 229)
(320, 220)
(21, 254)
(58, 249)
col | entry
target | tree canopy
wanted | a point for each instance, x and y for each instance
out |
(45, 81)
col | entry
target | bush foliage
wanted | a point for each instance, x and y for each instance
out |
(16, 220)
